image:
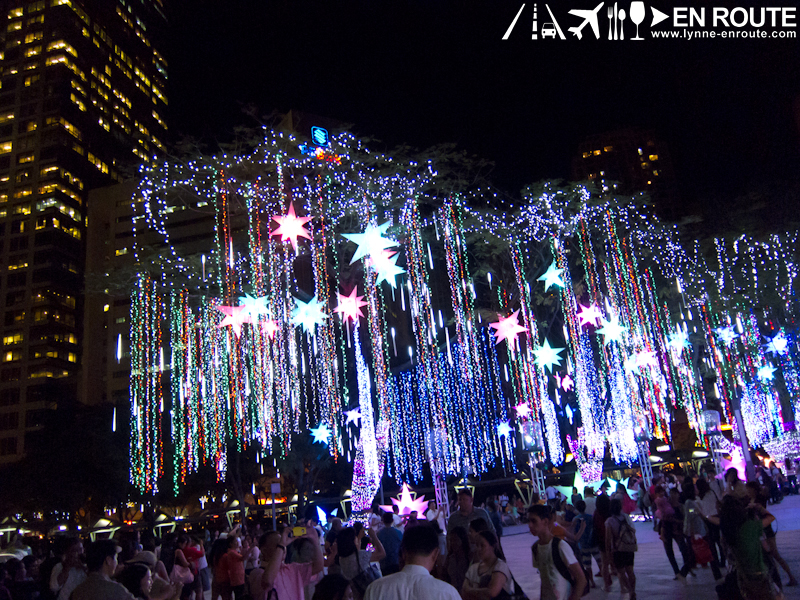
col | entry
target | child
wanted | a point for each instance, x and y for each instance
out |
(584, 531)
(561, 575)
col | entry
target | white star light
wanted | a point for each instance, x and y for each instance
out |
(726, 334)
(321, 434)
(641, 359)
(552, 277)
(777, 345)
(255, 306)
(308, 314)
(589, 314)
(612, 331)
(371, 242)
(523, 410)
(353, 415)
(504, 429)
(547, 356)
(766, 373)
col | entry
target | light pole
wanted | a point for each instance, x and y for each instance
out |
(642, 438)
(534, 446)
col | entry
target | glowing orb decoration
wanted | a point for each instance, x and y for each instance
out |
(766, 373)
(547, 357)
(291, 227)
(612, 331)
(552, 277)
(777, 345)
(590, 315)
(235, 316)
(407, 503)
(371, 242)
(507, 329)
(321, 434)
(350, 306)
(308, 314)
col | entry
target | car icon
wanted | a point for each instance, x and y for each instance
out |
(549, 30)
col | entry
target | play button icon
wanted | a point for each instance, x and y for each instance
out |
(658, 16)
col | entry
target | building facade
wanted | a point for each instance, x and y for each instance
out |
(83, 102)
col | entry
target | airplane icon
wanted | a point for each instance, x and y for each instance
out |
(589, 16)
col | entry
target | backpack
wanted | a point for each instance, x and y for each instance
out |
(562, 569)
(627, 536)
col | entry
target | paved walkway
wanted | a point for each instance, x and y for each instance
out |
(654, 578)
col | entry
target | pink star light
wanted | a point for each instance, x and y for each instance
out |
(406, 504)
(589, 314)
(235, 316)
(508, 329)
(350, 306)
(291, 227)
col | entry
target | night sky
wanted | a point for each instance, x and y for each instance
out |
(422, 73)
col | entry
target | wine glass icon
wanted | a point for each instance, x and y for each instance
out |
(637, 16)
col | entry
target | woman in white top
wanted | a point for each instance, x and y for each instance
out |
(352, 559)
(490, 575)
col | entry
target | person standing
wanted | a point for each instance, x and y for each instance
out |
(561, 576)
(584, 531)
(70, 572)
(494, 515)
(435, 513)
(467, 512)
(101, 561)
(707, 505)
(288, 581)
(489, 576)
(420, 550)
(621, 546)
(391, 539)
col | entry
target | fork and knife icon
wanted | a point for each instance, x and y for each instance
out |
(616, 18)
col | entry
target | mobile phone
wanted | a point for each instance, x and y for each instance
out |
(298, 531)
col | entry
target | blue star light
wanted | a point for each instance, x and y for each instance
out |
(612, 331)
(255, 306)
(679, 340)
(308, 314)
(726, 334)
(321, 434)
(503, 429)
(371, 242)
(547, 356)
(552, 277)
(777, 345)
(766, 373)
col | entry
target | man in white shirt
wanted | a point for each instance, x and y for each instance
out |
(420, 550)
(436, 514)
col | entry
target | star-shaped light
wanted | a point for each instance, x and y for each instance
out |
(566, 383)
(777, 345)
(384, 262)
(612, 331)
(308, 314)
(291, 227)
(641, 359)
(766, 373)
(552, 277)
(353, 415)
(504, 429)
(523, 410)
(507, 329)
(590, 314)
(321, 434)
(269, 327)
(547, 356)
(406, 504)
(371, 242)
(350, 306)
(255, 306)
(726, 334)
(678, 340)
(235, 316)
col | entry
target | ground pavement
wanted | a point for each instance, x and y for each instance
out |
(654, 577)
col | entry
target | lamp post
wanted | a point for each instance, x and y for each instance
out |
(642, 437)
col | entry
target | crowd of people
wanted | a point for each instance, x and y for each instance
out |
(581, 542)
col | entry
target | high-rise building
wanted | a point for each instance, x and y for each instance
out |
(82, 102)
(636, 160)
